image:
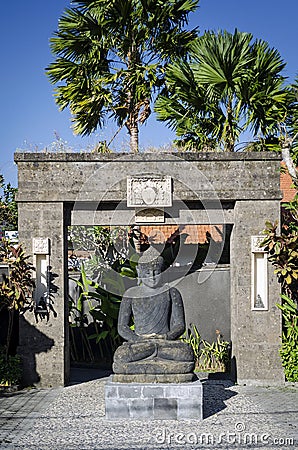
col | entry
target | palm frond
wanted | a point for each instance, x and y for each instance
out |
(228, 78)
(111, 57)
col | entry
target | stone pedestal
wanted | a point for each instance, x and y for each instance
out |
(154, 401)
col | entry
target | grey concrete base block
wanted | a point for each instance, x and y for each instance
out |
(149, 401)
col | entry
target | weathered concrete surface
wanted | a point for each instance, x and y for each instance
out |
(242, 189)
(235, 417)
(44, 345)
(149, 401)
(206, 299)
(92, 177)
(255, 334)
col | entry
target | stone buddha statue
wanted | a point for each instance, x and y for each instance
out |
(152, 352)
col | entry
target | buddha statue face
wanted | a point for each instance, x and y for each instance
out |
(150, 273)
(150, 277)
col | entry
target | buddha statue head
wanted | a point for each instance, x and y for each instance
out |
(149, 268)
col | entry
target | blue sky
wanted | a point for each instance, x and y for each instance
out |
(29, 117)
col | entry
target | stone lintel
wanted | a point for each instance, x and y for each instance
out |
(141, 157)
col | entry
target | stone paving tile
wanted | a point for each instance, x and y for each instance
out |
(235, 417)
(19, 409)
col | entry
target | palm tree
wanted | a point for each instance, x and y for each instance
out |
(229, 84)
(111, 57)
(288, 138)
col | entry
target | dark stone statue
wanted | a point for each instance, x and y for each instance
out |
(152, 351)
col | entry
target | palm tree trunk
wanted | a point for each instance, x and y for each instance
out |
(134, 138)
(133, 58)
(230, 141)
(286, 155)
(133, 128)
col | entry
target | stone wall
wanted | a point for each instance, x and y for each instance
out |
(56, 190)
(206, 298)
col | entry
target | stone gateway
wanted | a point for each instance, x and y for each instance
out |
(240, 190)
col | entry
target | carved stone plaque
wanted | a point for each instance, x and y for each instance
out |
(41, 246)
(255, 244)
(152, 191)
(149, 215)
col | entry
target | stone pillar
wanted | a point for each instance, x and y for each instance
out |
(255, 334)
(43, 345)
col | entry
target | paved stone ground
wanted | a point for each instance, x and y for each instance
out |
(235, 417)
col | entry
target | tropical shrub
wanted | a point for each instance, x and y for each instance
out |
(109, 247)
(193, 338)
(289, 348)
(94, 315)
(209, 356)
(283, 251)
(16, 289)
(215, 356)
(10, 369)
(97, 310)
(8, 206)
(283, 254)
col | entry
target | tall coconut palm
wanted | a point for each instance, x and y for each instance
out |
(111, 57)
(229, 84)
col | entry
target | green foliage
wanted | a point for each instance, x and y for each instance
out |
(283, 251)
(94, 316)
(283, 248)
(101, 147)
(111, 57)
(230, 84)
(289, 128)
(8, 206)
(109, 246)
(209, 357)
(193, 338)
(15, 290)
(289, 348)
(90, 238)
(99, 308)
(10, 369)
(214, 356)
